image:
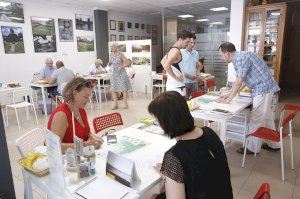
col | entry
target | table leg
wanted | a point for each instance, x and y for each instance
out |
(44, 101)
(99, 90)
(223, 131)
(27, 186)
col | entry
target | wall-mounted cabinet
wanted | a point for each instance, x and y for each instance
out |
(263, 33)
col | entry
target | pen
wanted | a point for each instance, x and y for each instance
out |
(124, 195)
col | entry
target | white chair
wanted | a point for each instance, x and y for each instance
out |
(60, 97)
(162, 78)
(132, 85)
(30, 140)
(104, 86)
(19, 99)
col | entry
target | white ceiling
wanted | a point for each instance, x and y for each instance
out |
(139, 7)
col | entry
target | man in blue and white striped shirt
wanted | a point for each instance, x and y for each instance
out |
(253, 72)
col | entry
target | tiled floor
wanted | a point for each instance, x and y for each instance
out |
(245, 181)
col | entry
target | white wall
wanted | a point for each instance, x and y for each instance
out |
(20, 67)
(119, 16)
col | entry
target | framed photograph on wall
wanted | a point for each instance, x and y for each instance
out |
(121, 26)
(84, 22)
(129, 25)
(137, 38)
(112, 25)
(136, 25)
(113, 37)
(143, 37)
(12, 39)
(11, 12)
(147, 28)
(85, 44)
(129, 37)
(142, 26)
(154, 40)
(43, 31)
(121, 38)
(65, 27)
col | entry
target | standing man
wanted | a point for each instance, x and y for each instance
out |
(190, 66)
(47, 70)
(252, 71)
(171, 62)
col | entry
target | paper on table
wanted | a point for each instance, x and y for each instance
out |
(104, 187)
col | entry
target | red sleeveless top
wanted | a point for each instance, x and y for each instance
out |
(81, 131)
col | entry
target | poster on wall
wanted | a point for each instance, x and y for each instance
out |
(122, 47)
(140, 60)
(113, 37)
(129, 37)
(137, 38)
(84, 22)
(112, 25)
(148, 28)
(139, 48)
(43, 31)
(11, 12)
(121, 38)
(85, 43)
(12, 39)
(65, 27)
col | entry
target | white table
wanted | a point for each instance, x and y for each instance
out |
(206, 110)
(144, 159)
(104, 76)
(42, 87)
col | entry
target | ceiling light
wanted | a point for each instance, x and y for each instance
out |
(4, 4)
(201, 20)
(275, 13)
(216, 23)
(185, 16)
(218, 9)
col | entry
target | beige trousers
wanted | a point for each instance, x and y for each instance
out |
(261, 116)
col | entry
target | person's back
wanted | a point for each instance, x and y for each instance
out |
(63, 75)
(201, 164)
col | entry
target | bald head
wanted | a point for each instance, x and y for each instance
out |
(49, 62)
(59, 64)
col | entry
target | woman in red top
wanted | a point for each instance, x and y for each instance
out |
(76, 94)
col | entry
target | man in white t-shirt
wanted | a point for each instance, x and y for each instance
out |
(60, 76)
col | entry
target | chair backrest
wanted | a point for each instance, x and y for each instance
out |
(263, 192)
(210, 84)
(30, 140)
(288, 118)
(196, 94)
(20, 95)
(106, 121)
(165, 77)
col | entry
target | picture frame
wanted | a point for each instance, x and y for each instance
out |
(13, 41)
(154, 40)
(113, 37)
(85, 43)
(65, 27)
(129, 25)
(121, 37)
(129, 37)
(112, 24)
(136, 25)
(148, 28)
(143, 37)
(121, 26)
(43, 32)
(137, 38)
(11, 12)
(142, 26)
(84, 22)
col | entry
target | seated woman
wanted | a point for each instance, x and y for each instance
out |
(196, 166)
(76, 94)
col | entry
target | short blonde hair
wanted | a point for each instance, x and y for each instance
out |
(76, 84)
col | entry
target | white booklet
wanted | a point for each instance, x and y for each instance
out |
(102, 187)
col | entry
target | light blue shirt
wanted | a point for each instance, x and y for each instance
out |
(255, 73)
(189, 63)
(95, 69)
(46, 72)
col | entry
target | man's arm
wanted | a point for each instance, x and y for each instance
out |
(236, 88)
(52, 79)
(171, 58)
(189, 76)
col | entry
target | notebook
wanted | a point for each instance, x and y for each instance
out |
(104, 187)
